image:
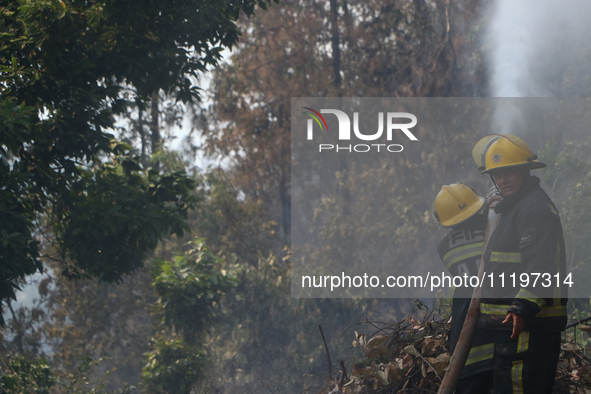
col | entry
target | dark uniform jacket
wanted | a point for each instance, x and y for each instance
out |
(528, 244)
(461, 252)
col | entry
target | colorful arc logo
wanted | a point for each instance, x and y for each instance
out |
(316, 115)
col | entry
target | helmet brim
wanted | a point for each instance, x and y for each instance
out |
(534, 165)
(470, 216)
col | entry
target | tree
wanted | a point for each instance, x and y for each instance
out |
(65, 66)
(22, 376)
(394, 48)
(100, 321)
(244, 209)
(188, 288)
(386, 48)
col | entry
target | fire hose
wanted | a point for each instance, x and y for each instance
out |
(468, 332)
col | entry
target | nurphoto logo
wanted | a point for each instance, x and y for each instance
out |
(393, 123)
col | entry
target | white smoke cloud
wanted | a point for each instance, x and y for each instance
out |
(537, 48)
(534, 46)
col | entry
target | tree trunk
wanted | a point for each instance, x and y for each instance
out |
(155, 127)
(336, 50)
(142, 133)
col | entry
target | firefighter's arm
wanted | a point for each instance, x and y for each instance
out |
(518, 323)
(538, 230)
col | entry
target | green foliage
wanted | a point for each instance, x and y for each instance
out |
(264, 339)
(388, 48)
(64, 69)
(173, 367)
(115, 215)
(78, 382)
(150, 45)
(569, 177)
(75, 60)
(235, 228)
(420, 306)
(578, 309)
(23, 376)
(189, 287)
(18, 249)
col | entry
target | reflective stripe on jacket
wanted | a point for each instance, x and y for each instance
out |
(527, 249)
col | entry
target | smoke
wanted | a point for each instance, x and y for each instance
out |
(537, 48)
(534, 46)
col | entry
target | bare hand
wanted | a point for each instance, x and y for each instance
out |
(518, 324)
(492, 201)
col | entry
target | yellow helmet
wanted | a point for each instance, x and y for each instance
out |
(455, 204)
(503, 151)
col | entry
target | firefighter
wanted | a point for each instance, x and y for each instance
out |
(459, 208)
(524, 317)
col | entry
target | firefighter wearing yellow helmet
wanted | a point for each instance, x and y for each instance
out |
(510, 151)
(503, 156)
(455, 204)
(459, 208)
(523, 319)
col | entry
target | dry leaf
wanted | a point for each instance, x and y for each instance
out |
(377, 340)
(410, 349)
(361, 340)
(407, 362)
(381, 377)
(439, 363)
(430, 345)
(423, 370)
(569, 347)
(377, 352)
(361, 370)
(579, 390)
(393, 373)
(374, 367)
(585, 375)
(424, 382)
(398, 363)
(573, 362)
